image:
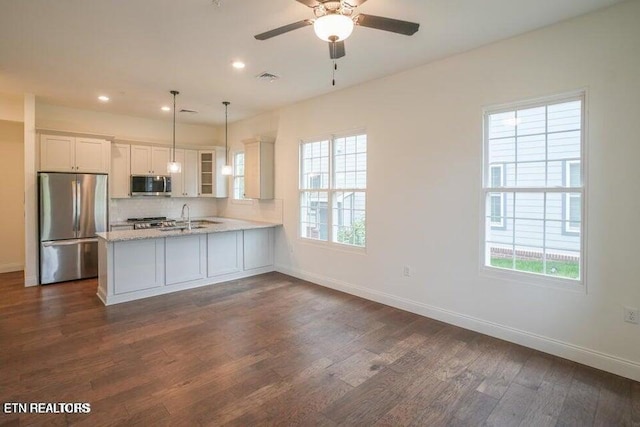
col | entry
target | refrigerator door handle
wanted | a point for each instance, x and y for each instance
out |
(74, 191)
(68, 242)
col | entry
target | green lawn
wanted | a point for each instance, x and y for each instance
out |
(569, 270)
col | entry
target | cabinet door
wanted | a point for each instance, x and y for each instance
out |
(177, 179)
(120, 178)
(225, 253)
(159, 158)
(140, 160)
(207, 168)
(57, 153)
(258, 248)
(252, 170)
(92, 155)
(190, 173)
(138, 265)
(186, 258)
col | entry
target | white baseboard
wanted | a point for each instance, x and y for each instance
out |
(169, 289)
(585, 356)
(11, 267)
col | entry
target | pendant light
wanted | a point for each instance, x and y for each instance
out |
(227, 169)
(173, 166)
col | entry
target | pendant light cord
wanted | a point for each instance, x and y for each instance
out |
(226, 132)
(174, 93)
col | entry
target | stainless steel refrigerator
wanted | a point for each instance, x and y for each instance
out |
(72, 209)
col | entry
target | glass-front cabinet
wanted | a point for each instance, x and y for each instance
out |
(211, 182)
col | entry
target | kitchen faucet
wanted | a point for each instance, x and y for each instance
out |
(188, 215)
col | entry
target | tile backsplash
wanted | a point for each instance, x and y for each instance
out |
(121, 209)
(256, 210)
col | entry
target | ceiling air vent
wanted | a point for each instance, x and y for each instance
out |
(184, 110)
(267, 77)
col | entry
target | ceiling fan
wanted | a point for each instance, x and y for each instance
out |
(335, 21)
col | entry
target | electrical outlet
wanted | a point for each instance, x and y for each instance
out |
(631, 315)
(406, 271)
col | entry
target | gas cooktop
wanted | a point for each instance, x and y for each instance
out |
(151, 222)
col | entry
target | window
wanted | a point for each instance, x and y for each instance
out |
(534, 189)
(238, 176)
(333, 184)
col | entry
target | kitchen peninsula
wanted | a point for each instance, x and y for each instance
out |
(135, 264)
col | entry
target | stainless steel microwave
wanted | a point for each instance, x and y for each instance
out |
(149, 185)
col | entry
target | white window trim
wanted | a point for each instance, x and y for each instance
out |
(528, 278)
(501, 195)
(329, 243)
(567, 202)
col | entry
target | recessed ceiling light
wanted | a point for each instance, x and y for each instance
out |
(238, 65)
(165, 108)
(103, 98)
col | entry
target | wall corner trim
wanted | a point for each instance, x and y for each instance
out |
(585, 356)
(30, 281)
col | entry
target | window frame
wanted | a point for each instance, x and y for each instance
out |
(331, 191)
(523, 277)
(503, 208)
(566, 214)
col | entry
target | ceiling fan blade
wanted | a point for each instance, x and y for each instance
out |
(388, 24)
(355, 3)
(310, 3)
(285, 29)
(336, 50)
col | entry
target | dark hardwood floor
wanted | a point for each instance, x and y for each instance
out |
(274, 350)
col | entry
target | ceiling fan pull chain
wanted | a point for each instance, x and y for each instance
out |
(335, 68)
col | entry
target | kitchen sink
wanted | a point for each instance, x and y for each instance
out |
(181, 228)
(204, 222)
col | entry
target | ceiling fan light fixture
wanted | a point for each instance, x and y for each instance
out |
(333, 27)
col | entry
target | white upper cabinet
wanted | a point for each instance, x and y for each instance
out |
(177, 180)
(258, 169)
(159, 159)
(120, 177)
(211, 181)
(147, 160)
(190, 173)
(61, 153)
(140, 160)
(185, 183)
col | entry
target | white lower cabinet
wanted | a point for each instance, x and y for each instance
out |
(138, 265)
(225, 253)
(258, 248)
(135, 269)
(186, 258)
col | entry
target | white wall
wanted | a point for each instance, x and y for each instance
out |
(31, 245)
(12, 196)
(424, 131)
(121, 126)
(11, 107)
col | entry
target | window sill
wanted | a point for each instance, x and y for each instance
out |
(533, 279)
(337, 247)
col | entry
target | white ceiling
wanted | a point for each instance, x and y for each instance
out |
(68, 52)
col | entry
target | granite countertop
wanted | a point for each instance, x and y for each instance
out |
(221, 225)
